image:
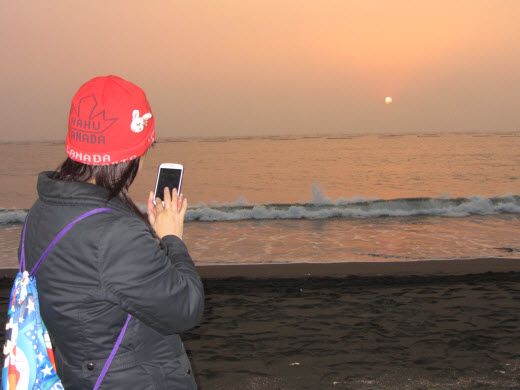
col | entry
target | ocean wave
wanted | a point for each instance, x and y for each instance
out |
(357, 208)
(323, 207)
(10, 216)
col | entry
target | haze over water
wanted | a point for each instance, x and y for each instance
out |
(319, 199)
(268, 67)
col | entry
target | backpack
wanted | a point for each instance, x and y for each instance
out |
(29, 357)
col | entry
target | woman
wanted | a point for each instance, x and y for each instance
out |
(117, 262)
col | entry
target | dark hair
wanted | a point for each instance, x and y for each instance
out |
(116, 178)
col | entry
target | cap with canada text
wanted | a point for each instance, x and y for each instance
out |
(110, 122)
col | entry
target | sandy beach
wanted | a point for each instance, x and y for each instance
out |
(421, 325)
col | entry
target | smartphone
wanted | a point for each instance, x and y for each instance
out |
(168, 175)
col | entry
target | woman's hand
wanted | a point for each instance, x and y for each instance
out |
(168, 219)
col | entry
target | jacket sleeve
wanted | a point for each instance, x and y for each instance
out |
(161, 289)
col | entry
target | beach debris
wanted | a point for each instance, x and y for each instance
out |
(294, 364)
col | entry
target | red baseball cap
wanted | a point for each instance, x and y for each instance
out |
(110, 122)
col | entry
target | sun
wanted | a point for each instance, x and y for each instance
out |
(388, 100)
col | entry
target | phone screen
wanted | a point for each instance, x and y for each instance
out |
(168, 177)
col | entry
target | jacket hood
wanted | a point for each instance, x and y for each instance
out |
(52, 190)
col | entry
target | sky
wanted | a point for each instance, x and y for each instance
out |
(220, 68)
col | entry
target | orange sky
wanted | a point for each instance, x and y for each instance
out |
(227, 67)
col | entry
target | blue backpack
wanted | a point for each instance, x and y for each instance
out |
(29, 357)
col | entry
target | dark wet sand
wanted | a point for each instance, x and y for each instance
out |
(444, 325)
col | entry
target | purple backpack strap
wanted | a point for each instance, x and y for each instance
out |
(112, 354)
(56, 239)
(22, 250)
(39, 263)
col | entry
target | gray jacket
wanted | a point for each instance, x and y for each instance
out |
(105, 267)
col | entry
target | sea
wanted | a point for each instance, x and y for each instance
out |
(316, 199)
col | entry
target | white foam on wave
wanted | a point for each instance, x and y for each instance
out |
(319, 198)
(9, 216)
(356, 208)
(323, 207)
